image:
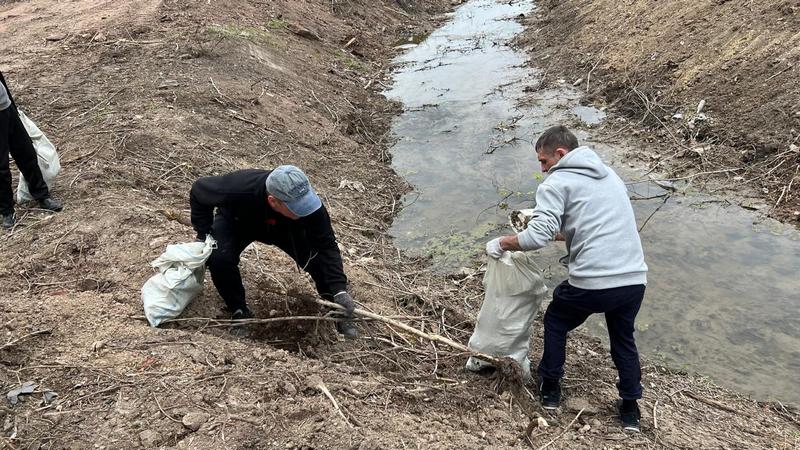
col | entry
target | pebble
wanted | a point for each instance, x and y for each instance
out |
(575, 404)
(194, 420)
(150, 438)
(289, 389)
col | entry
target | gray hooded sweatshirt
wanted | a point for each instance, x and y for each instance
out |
(588, 203)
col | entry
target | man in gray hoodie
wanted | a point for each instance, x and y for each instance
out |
(585, 203)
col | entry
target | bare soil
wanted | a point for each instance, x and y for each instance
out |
(142, 98)
(654, 62)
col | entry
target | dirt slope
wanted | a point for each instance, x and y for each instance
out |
(144, 97)
(656, 61)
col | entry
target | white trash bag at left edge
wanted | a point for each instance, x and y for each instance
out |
(49, 162)
(181, 270)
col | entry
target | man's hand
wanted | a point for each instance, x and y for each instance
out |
(344, 299)
(493, 248)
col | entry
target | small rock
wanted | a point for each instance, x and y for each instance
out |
(575, 404)
(289, 389)
(194, 420)
(150, 438)
(313, 382)
(541, 422)
(302, 31)
(584, 429)
(55, 37)
(595, 423)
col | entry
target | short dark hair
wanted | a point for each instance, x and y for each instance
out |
(556, 137)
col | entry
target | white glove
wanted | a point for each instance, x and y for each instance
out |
(493, 248)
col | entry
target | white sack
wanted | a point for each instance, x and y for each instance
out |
(46, 153)
(181, 271)
(514, 290)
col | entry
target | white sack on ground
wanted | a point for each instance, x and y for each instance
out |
(514, 291)
(47, 156)
(180, 278)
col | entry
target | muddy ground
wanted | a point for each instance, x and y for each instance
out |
(653, 63)
(144, 97)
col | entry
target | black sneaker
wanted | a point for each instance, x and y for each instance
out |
(550, 393)
(630, 415)
(50, 204)
(347, 329)
(9, 221)
(242, 313)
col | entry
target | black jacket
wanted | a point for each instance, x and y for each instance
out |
(242, 196)
(8, 91)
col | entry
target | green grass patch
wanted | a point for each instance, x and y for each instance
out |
(349, 61)
(277, 24)
(254, 34)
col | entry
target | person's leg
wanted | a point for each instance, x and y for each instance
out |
(566, 312)
(24, 155)
(6, 192)
(224, 263)
(620, 321)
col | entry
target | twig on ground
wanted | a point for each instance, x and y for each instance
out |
(14, 342)
(655, 417)
(713, 403)
(164, 412)
(324, 389)
(654, 212)
(240, 322)
(562, 433)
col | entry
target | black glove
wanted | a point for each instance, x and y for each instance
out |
(344, 299)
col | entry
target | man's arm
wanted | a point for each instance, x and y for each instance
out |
(206, 194)
(544, 226)
(322, 239)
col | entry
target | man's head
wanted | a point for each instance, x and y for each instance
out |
(553, 144)
(289, 192)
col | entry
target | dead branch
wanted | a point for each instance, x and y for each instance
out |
(320, 385)
(562, 433)
(713, 403)
(498, 362)
(14, 342)
(654, 212)
(164, 412)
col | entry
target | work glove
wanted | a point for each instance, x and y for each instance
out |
(493, 248)
(346, 327)
(344, 299)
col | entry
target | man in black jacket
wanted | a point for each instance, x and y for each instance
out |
(276, 207)
(14, 141)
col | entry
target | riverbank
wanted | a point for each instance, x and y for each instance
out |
(709, 90)
(146, 97)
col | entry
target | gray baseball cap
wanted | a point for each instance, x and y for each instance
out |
(291, 186)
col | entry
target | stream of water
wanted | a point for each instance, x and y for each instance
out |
(723, 295)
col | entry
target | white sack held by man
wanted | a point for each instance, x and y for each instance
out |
(514, 290)
(181, 270)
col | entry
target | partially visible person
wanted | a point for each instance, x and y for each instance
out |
(15, 142)
(584, 202)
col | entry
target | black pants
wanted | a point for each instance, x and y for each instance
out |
(232, 240)
(14, 141)
(571, 306)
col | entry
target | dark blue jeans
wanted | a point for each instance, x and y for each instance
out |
(571, 307)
